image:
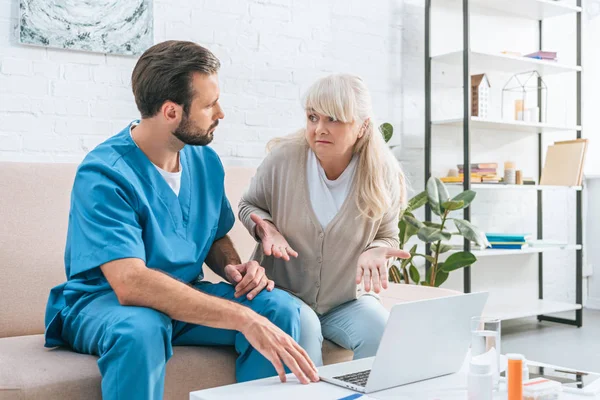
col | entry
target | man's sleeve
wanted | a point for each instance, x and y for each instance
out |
(103, 222)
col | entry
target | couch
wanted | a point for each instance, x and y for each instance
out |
(34, 205)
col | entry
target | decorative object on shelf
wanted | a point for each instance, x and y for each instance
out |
(436, 195)
(510, 177)
(519, 177)
(564, 163)
(480, 95)
(109, 26)
(521, 92)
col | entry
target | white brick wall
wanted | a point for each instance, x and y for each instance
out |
(57, 105)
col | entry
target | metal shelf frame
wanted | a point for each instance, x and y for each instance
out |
(467, 125)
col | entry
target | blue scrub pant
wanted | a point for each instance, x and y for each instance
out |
(357, 325)
(135, 343)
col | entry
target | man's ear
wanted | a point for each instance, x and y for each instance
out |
(171, 111)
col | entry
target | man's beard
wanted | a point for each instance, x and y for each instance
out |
(192, 135)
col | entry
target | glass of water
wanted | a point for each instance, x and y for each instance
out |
(485, 336)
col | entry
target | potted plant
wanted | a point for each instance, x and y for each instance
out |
(435, 233)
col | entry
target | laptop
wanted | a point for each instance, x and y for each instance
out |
(422, 339)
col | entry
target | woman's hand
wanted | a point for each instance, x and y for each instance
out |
(273, 242)
(372, 266)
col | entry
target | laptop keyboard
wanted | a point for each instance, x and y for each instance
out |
(356, 378)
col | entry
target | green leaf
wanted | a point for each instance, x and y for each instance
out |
(425, 256)
(430, 235)
(471, 232)
(458, 260)
(437, 195)
(428, 275)
(417, 202)
(432, 224)
(466, 197)
(401, 236)
(443, 248)
(413, 250)
(387, 130)
(452, 205)
(424, 283)
(440, 278)
(410, 219)
(404, 262)
(414, 274)
(410, 232)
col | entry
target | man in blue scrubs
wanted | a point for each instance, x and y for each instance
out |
(148, 208)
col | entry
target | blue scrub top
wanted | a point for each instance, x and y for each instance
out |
(121, 207)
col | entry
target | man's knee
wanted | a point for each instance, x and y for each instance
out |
(141, 329)
(280, 308)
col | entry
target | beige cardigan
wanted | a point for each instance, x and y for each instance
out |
(324, 273)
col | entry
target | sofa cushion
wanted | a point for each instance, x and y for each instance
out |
(29, 371)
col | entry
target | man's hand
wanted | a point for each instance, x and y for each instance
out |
(248, 277)
(280, 349)
(273, 242)
(372, 266)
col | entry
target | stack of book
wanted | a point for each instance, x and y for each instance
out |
(480, 173)
(508, 241)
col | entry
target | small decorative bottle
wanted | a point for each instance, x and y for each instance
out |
(509, 173)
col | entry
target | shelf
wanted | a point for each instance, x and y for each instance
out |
(511, 309)
(530, 9)
(501, 186)
(486, 62)
(505, 125)
(528, 250)
(505, 252)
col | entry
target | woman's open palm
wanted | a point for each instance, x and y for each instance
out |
(273, 242)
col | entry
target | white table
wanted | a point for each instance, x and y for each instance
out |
(450, 387)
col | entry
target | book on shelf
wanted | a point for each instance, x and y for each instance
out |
(479, 166)
(508, 237)
(543, 55)
(481, 171)
(507, 246)
(459, 179)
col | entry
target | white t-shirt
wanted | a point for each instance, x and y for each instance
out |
(173, 179)
(327, 196)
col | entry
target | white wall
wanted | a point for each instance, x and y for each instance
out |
(57, 105)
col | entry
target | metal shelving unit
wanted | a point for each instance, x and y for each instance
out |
(536, 10)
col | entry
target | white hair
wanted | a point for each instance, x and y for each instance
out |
(381, 181)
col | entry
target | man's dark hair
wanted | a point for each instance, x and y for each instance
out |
(164, 72)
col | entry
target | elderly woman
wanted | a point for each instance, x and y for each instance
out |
(324, 208)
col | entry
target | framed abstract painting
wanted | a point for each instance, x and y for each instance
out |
(103, 26)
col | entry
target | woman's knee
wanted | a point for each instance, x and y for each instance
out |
(311, 336)
(370, 325)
